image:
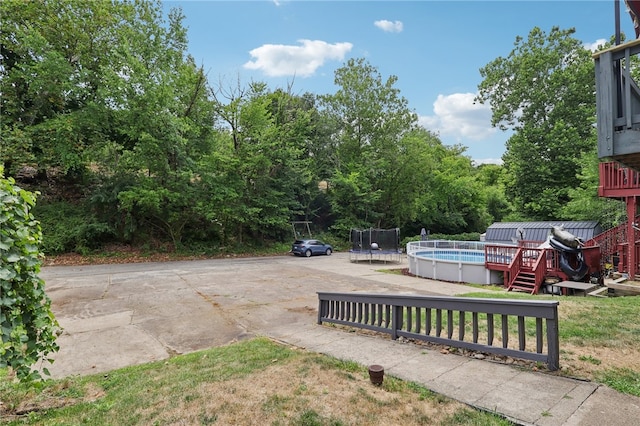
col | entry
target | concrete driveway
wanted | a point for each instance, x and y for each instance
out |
(125, 314)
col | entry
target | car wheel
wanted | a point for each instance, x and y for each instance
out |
(307, 253)
(328, 252)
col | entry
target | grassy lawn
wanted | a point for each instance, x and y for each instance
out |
(251, 382)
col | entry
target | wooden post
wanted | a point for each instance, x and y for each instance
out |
(632, 262)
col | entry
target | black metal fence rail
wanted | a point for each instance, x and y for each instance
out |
(436, 319)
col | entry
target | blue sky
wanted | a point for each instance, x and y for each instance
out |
(435, 48)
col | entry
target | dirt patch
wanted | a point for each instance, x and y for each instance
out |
(47, 400)
(117, 254)
(298, 390)
(303, 310)
(588, 362)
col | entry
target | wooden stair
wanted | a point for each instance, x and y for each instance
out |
(525, 281)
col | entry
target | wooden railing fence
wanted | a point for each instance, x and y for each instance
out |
(435, 318)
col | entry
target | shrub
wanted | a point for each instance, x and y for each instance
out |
(27, 325)
(67, 227)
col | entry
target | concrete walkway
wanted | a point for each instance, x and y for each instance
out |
(119, 315)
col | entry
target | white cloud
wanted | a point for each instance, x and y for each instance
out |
(458, 116)
(458, 120)
(595, 45)
(497, 161)
(277, 60)
(389, 26)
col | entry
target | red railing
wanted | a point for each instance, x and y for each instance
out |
(511, 260)
(532, 259)
(610, 240)
(529, 244)
(540, 268)
(623, 261)
(614, 176)
(515, 267)
(615, 179)
(499, 254)
(553, 261)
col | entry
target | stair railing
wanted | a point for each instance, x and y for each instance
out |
(610, 239)
(540, 269)
(515, 266)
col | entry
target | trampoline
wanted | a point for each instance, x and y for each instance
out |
(452, 261)
(379, 245)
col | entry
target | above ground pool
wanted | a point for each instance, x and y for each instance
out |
(453, 261)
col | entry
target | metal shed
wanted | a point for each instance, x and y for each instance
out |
(512, 232)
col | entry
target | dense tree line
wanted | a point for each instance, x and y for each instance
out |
(108, 116)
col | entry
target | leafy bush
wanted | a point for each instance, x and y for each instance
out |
(339, 244)
(67, 227)
(27, 325)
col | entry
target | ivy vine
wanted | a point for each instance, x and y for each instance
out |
(27, 324)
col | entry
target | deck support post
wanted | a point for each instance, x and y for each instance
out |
(632, 211)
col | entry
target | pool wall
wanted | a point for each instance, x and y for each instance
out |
(450, 270)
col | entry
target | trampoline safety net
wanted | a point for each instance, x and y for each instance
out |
(375, 244)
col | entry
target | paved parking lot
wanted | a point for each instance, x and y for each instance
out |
(124, 314)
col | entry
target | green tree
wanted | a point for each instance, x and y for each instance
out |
(103, 94)
(460, 197)
(259, 177)
(408, 179)
(55, 54)
(430, 185)
(27, 325)
(370, 118)
(160, 122)
(585, 204)
(492, 179)
(544, 92)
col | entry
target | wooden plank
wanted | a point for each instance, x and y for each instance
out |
(617, 48)
(631, 288)
(576, 286)
(598, 292)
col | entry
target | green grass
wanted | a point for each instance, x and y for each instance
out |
(148, 384)
(624, 380)
(395, 271)
(163, 392)
(591, 359)
(607, 322)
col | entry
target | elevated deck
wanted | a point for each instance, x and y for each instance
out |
(618, 105)
(618, 181)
